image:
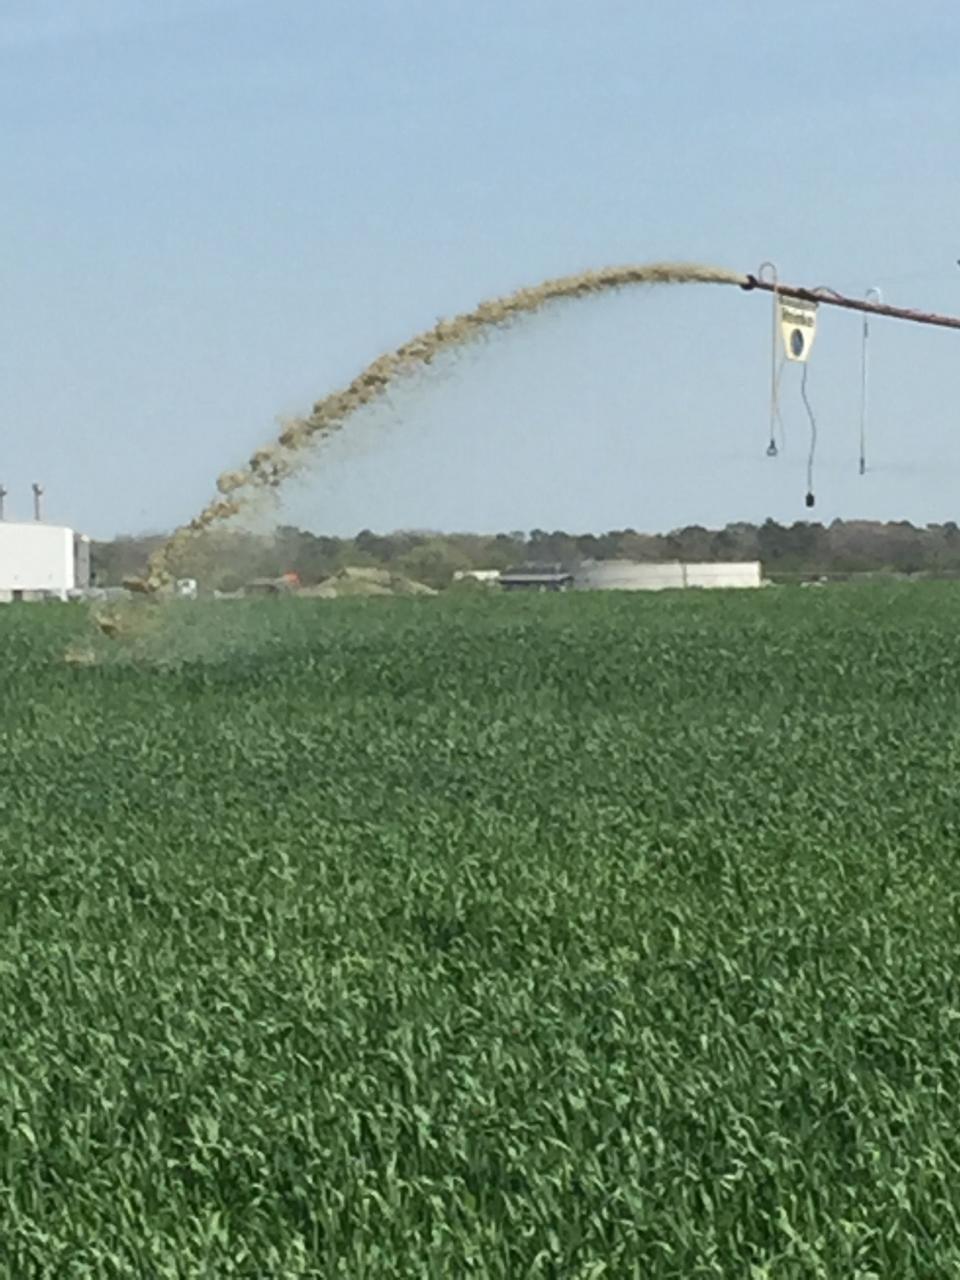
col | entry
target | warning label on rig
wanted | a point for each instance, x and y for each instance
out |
(798, 324)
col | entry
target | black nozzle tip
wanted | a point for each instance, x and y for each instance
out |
(809, 500)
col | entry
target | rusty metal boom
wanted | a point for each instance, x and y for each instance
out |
(829, 298)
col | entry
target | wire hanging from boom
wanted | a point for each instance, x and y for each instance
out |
(811, 456)
(794, 331)
(796, 347)
(768, 273)
(872, 295)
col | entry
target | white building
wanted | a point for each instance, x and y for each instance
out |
(632, 575)
(724, 573)
(39, 560)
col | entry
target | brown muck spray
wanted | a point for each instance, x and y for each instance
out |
(270, 465)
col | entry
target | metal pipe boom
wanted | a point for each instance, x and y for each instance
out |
(831, 299)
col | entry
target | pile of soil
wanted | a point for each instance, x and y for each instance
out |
(366, 582)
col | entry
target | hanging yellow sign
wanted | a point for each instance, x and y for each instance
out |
(798, 325)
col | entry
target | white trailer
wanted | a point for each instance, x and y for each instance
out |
(41, 560)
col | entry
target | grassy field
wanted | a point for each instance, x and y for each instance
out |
(560, 937)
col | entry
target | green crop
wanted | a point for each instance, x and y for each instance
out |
(544, 937)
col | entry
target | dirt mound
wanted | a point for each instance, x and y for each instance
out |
(367, 582)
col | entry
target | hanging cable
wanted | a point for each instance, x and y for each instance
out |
(779, 416)
(768, 271)
(809, 499)
(872, 295)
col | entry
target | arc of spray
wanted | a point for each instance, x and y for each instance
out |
(271, 465)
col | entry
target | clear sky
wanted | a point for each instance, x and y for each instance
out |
(214, 211)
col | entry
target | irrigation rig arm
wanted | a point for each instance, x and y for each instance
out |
(831, 299)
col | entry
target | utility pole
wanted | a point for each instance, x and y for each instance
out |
(37, 506)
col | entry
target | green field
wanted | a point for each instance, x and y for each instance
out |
(563, 937)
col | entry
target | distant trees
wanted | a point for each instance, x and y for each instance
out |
(228, 558)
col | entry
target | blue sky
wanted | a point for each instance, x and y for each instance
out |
(215, 211)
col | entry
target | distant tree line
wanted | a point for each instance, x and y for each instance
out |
(228, 559)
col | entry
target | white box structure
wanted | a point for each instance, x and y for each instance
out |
(629, 575)
(666, 575)
(732, 573)
(38, 560)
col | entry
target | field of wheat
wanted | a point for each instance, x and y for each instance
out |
(545, 937)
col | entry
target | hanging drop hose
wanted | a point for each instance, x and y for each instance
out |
(768, 272)
(872, 295)
(809, 499)
(776, 372)
(863, 396)
(776, 412)
(767, 280)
